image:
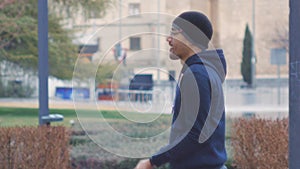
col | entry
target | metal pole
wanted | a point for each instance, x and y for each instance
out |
(120, 21)
(158, 42)
(278, 83)
(43, 58)
(253, 60)
(294, 85)
(118, 46)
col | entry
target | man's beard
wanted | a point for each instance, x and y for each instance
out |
(173, 56)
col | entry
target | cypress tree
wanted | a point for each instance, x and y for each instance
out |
(247, 53)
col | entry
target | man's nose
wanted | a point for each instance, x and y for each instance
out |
(169, 39)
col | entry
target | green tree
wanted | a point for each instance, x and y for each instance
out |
(18, 33)
(247, 54)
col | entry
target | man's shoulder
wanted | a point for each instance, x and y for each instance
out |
(197, 69)
(197, 72)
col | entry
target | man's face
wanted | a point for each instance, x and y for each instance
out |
(177, 44)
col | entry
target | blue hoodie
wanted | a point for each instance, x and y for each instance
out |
(197, 139)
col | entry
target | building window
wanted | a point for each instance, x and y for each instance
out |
(135, 43)
(134, 9)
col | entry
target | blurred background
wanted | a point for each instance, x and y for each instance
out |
(112, 56)
(130, 55)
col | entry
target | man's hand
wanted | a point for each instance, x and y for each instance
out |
(144, 164)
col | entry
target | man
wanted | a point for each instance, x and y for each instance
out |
(197, 139)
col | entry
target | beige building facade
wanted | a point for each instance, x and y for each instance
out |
(144, 25)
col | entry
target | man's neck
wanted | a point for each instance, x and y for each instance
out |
(193, 50)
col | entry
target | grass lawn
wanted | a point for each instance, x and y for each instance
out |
(29, 116)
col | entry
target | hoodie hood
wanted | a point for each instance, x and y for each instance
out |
(212, 59)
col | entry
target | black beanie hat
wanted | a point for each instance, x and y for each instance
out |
(196, 27)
